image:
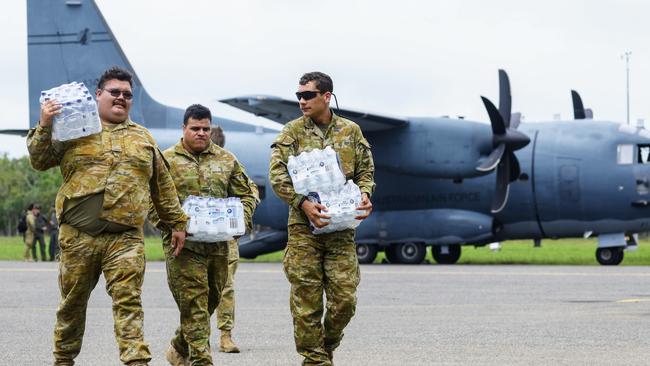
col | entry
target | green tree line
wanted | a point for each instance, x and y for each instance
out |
(21, 185)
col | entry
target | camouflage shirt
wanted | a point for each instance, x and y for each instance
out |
(215, 173)
(124, 162)
(302, 134)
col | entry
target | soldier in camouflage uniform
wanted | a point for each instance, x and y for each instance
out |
(326, 262)
(30, 234)
(109, 179)
(226, 308)
(198, 275)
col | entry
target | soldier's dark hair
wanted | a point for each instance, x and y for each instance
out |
(217, 136)
(322, 81)
(30, 207)
(197, 112)
(115, 72)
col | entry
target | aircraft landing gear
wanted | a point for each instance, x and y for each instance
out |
(610, 256)
(366, 253)
(448, 255)
(406, 253)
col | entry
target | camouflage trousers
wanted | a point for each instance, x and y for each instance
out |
(226, 308)
(29, 246)
(315, 264)
(196, 279)
(120, 257)
(40, 239)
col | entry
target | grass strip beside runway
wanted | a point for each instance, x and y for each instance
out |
(561, 252)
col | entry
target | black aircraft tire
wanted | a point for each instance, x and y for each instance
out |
(406, 253)
(451, 258)
(366, 253)
(610, 256)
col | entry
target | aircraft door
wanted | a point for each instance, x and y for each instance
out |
(569, 183)
(641, 175)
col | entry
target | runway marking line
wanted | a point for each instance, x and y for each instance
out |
(625, 301)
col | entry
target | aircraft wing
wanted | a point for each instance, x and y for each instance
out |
(282, 111)
(14, 132)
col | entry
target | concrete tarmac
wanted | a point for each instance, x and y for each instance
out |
(406, 315)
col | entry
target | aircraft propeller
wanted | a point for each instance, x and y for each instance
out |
(506, 140)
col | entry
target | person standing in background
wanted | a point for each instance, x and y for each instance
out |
(39, 234)
(226, 308)
(30, 220)
(54, 235)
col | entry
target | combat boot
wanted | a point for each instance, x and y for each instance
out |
(330, 354)
(176, 359)
(227, 345)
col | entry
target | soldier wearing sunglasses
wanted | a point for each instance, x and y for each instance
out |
(325, 263)
(108, 181)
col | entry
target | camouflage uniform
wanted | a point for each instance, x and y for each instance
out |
(39, 237)
(226, 308)
(198, 275)
(125, 165)
(327, 262)
(30, 236)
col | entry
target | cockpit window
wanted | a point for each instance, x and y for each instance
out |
(643, 156)
(625, 154)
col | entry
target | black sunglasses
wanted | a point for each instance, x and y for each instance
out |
(115, 93)
(307, 95)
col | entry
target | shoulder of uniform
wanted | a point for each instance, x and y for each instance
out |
(141, 130)
(174, 150)
(295, 124)
(220, 151)
(289, 132)
(348, 122)
(169, 152)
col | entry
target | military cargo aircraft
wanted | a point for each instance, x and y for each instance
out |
(441, 182)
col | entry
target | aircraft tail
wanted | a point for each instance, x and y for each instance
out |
(69, 40)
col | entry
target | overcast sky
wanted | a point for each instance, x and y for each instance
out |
(402, 58)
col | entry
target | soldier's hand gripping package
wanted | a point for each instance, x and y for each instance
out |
(317, 175)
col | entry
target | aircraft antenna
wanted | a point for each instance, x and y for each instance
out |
(626, 57)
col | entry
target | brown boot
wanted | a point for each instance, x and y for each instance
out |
(227, 345)
(174, 358)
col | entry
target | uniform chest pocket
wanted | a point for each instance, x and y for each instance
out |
(138, 155)
(82, 152)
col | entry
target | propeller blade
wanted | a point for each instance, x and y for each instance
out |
(493, 159)
(505, 98)
(515, 120)
(578, 107)
(498, 126)
(515, 169)
(502, 187)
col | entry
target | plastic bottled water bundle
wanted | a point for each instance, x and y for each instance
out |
(78, 116)
(315, 171)
(214, 219)
(341, 207)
